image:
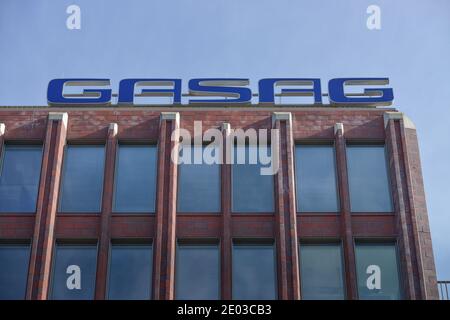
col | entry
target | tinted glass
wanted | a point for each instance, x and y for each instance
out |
(198, 185)
(14, 260)
(377, 271)
(368, 179)
(20, 169)
(254, 272)
(321, 281)
(135, 181)
(197, 272)
(316, 179)
(252, 192)
(74, 272)
(82, 182)
(130, 273)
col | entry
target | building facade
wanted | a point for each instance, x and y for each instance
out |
(93, 207)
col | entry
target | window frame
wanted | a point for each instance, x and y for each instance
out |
(23, 143)
(317, 143)
(380, 241)
(126, 143)
(93, 143)
(78, 243)
(129, 242)
(208, 242)
(371, 143)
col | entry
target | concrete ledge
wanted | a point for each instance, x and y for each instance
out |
(59, 116)
(226, 127)
(338, 126)
(407, 122)
(281, 116)
(114, 128)
(175, 116)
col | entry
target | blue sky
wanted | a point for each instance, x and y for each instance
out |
(249, 39)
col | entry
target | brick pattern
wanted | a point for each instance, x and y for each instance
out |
(408, 225)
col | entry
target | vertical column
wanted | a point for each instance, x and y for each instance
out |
(105, 221)
(43, 241)
(285, 215)
(410, 204)
(226, 241)
(419, 215)
(346, 217)
(2, 137)
(164, 257)
(399, 192)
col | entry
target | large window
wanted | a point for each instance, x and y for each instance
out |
(198, 184)
(197, 270)
(130, 272)
(74, 272)
(135, 182)
(368, 179)
(378, 273)
(252, 191)
(254, 270)
(316, 178)
(82, 181)
(14, 260)
(20, 169)
(321, 270)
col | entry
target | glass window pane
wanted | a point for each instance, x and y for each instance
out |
(130, 273)
(198, 185)
(135, 182)
(20, 170)
(197, 272)
(377, 269)
(82, 182)
(254, 272)
(14, 261)
(316, 179)
(321, 281)
(368, 179)
(74, 272)
(252, 192)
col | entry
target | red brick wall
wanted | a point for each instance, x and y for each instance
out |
(409, 224)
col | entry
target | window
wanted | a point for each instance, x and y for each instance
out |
(254, 271)
(252, 191)
(197, 271)
(321, 281)
(74, 272)
(82, 182)
(14, 260)
(198, 184)
(20, 169)
(135, 182)
(377, 271)
(130, 272)
(316, 178)
(368, 179)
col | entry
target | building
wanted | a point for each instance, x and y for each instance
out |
(92, 207)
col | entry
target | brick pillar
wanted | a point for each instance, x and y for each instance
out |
(401, 206)
(105, 221)
(413, 224)
(226, 241)
(43, 241)
(165, 238)
(346, 216)
(2, 137)
(285, 211)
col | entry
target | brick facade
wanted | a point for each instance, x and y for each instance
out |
(53, 127)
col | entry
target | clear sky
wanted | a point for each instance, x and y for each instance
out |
(249, 39)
